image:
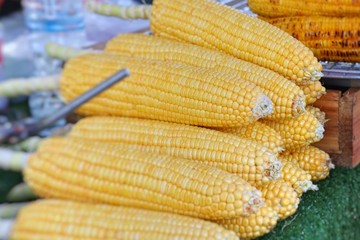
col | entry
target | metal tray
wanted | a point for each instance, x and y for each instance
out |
(336, 74)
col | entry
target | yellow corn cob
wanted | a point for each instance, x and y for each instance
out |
(254, 225)
(165, 91)
(320, 115)
(297, 177)
(313, 160)
(330, 38)
(118, 176)
(299, 131)
(57, 219)
(212, 25)
(280, 195)
(260, 133)
(25, 86)
(247, 158)
(313, 91)
(271, 8)
(288, 99)
(124, 12)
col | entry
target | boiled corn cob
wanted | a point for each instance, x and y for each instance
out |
(313, 91)
(271, 8)
(125, 12)
(297, 177)
(330, 38)
(244, 157)
(218, 28)
(26, 86)
(210, 24)
(165, 91)
(320, 115)
(313, 160)
(119, 176)
(299, 131)
(56, 219)
(288, 99)
(260, 133)
(254, 225)
(280, 195)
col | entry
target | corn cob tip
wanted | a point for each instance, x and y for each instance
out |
(273, 168)
(307, 185)
(319, 132)
(313, 75)
(299, 105)
(330, 165)
(254, 204)
(263, 107)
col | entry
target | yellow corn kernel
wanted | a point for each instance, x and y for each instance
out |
(119, 176)
(260, 133)
(165, 91)
(313, 160)
(313, 91)
(246, 158)
(253, 226)
(320, 115)
(209, 24)
(296, 176)
(280, 195)
(59, 219)
(299, 131)
(270, 8)
(287, 103)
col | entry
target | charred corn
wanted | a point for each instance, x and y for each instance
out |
(253, 226)
(165, 91)
(246, 158)
(330, 38)
(119, 176)
(288, 99)
(210, 24)
(260, 133)
(299, 131)
(271, 8)
(313, 160)
(280, 195)
(57, 219)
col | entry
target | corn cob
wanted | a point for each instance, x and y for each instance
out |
(313, 160)
(20, 193)
(299, 131)
(56, 219)
(280, 195)
(64, 53)
(260, 133)
(254, 225)
(125, 12)
(25, 86)
(330, 38)
(297, 177)
(212, 25)
(320, 115)
(270, 8)
(313, 91)
(165, 91)
(118, 176)
(10, 210)
(252, 41)
(12, 160)
(286, 103)
(244, 157)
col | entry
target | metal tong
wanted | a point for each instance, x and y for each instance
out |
(20, 130)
